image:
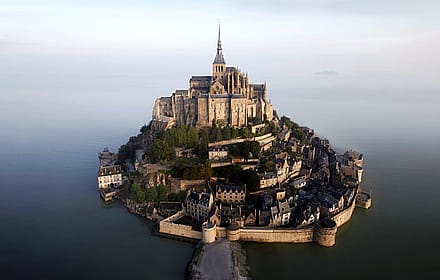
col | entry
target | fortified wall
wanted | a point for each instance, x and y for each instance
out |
(322, 233)
(167, 226)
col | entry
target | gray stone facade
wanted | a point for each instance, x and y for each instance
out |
(225, 98)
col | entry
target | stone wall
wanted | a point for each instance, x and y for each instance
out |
(277, 235)
(179, 230)
(323, 234)
(221, 232)
(177, 184)
(344, 216)
(167, 226)
(185, 109)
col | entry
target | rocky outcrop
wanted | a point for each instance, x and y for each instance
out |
(155, 178)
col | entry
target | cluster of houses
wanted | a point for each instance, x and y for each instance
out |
(300, 190)
(307, 181)
(285, 168)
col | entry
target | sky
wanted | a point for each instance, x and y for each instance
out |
(99, 52)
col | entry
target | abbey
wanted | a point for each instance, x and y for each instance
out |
(224, 98)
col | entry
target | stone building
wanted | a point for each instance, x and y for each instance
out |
(107, 158)
(267, 179)
(198, 205)
(231, 194)
(218, 153)
(226, 97)
(109, 176)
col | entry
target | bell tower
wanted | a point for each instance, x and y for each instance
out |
(219, 64)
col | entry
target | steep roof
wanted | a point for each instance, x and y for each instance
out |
(219, 59)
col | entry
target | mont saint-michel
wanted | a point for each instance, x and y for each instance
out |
(217, 164)
(225, 98)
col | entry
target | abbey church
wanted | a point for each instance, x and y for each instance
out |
(224, 98)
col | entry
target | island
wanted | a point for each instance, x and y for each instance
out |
(217, 163)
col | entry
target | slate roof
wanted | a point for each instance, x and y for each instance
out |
(231, 188)
(199, 198)
(219, 59)
(109, 170)
(201, 78)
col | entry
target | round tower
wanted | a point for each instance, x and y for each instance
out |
(233, 232)
(208, 232)
(325, 233)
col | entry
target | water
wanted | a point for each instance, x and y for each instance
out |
(54, 225)
(53, 222)
(396, 238)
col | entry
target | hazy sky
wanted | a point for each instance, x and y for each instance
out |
(98, 50)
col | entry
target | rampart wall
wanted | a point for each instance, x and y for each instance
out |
(277, 235)
(323, 233)
(167, 226)
(345, 215)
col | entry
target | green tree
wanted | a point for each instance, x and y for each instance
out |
(234, 132)
(299, 134)
(151, 194)
(193, 137)
(218, 135)
(202, 148)
(213, 131)
(252, 180)
(255, 149)
(160, 150)
(269, 165)
(246, 132)
(245, 149)
(206, 170)
(162, 192)
(177, 197)
(137, 193)
(226, 133)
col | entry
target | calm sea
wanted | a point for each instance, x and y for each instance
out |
(54, 226)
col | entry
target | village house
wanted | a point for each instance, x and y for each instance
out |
(231, 194)
(258, 128)
(282, 168)
(329, 204)
(267, 179)
(280, 214)
(251, 219)
(218, 153)
(308, 215)
(183, 152)
(109, 176)
(198, 205)
(299, 183)
(264, 217)
(280, 194)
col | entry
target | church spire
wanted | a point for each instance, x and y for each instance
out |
(219, 59)
(219, 42)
